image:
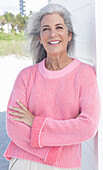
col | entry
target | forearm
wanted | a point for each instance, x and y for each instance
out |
(68, 132)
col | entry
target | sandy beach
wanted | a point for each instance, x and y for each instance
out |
(10, 66)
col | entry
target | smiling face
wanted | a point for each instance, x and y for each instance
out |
(54, 34)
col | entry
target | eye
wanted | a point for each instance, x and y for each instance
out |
(59, 27)
(45, 29)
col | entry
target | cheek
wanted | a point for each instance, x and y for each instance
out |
(66, 38)
(44, 36)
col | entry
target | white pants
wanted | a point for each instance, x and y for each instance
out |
(16, 163)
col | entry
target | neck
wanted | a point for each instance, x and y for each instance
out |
(57, 63)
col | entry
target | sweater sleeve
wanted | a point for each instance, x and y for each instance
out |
(18, 132)
(72, 131)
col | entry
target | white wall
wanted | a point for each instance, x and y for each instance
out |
(99, 68)
(83, 17)
(83, 21)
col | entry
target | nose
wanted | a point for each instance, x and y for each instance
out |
(52, 33)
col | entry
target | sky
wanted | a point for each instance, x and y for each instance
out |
(13, 5)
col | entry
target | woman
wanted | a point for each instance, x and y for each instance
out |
(54, 104)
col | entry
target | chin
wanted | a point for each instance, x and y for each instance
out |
(54, 53)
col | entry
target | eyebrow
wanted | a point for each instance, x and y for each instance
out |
(59, 24)
(48, 25)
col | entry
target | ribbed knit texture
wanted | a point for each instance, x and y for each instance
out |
(66, 108)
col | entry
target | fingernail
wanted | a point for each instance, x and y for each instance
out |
(10, 106)
(17, 100)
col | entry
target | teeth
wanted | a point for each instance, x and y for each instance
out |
(54, 42)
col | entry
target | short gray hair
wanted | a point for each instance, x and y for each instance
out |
(37, 50)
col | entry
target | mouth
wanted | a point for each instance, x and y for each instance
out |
(54, 42)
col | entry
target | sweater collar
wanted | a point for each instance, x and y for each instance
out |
(59, 73)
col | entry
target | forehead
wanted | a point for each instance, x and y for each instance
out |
(50, 19)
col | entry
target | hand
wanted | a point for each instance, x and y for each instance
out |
(23, 114)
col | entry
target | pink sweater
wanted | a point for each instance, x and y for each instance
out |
(66, 106)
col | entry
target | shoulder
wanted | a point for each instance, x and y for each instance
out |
(24, 76)
(27, 71)
(84, 72)
(87, 70)
(84, 69)
(87, 76)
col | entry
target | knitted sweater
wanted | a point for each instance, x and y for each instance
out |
(66, 108)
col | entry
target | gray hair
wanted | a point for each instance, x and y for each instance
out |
(37, 50)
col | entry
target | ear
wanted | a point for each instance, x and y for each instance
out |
(70, 36)
(40, 39)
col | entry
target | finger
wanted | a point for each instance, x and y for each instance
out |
(17, 119)
(17, 109)
(22, 105)
(16, 114)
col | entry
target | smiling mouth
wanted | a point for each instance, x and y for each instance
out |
(54, 42)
